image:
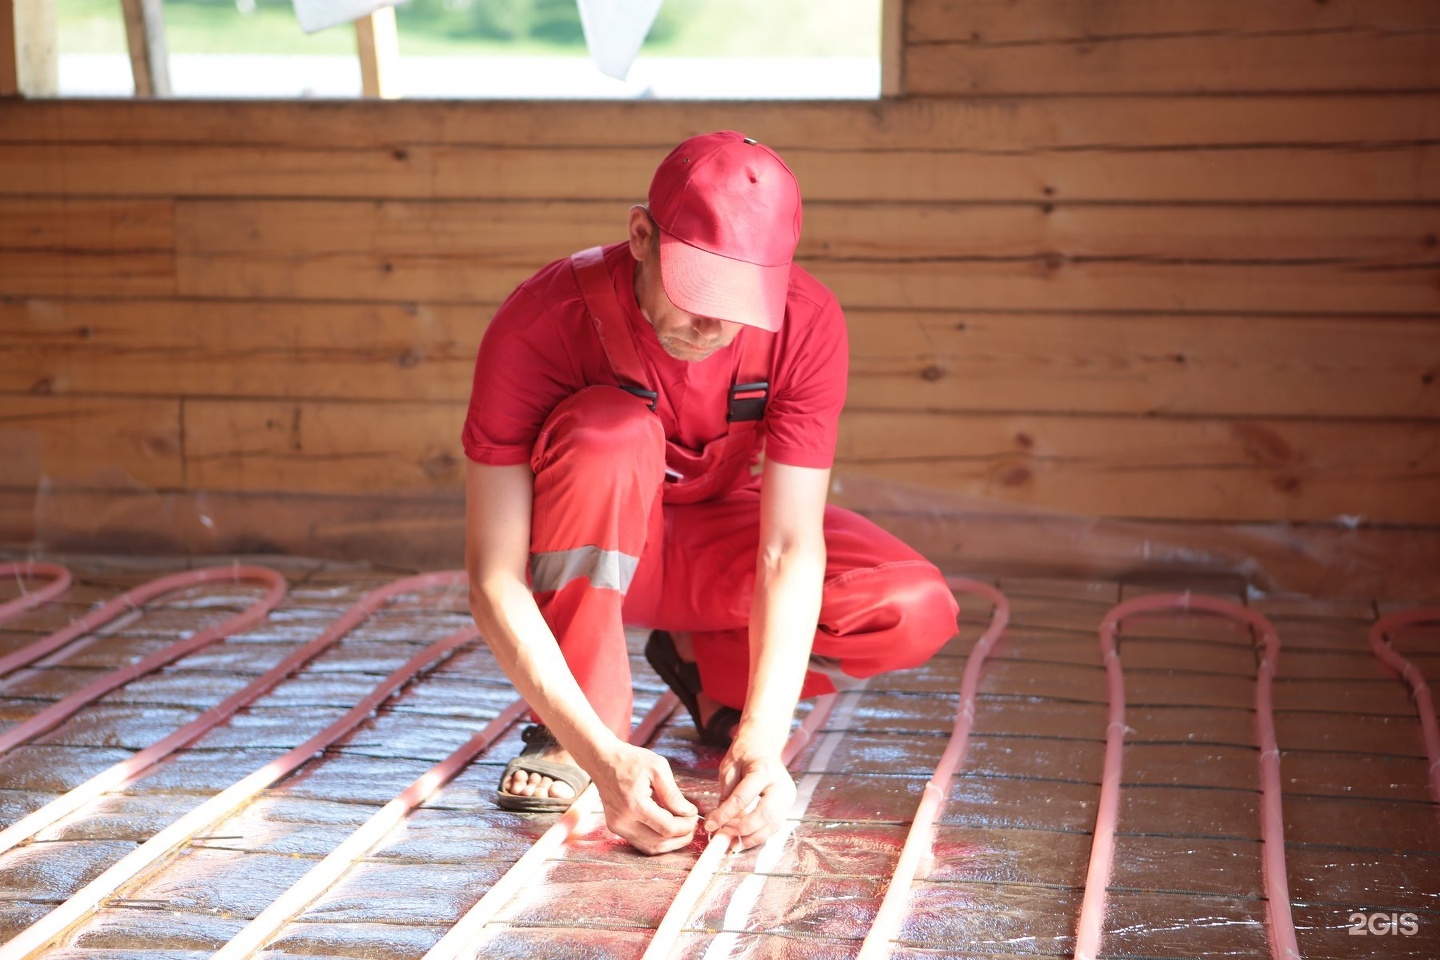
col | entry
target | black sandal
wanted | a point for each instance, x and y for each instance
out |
(683, 677)
(538, 740)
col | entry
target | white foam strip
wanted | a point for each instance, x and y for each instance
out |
(748, 892)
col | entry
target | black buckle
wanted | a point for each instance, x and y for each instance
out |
(649, 396)
(747, 401)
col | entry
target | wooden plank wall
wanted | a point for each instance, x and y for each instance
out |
(1144, 259)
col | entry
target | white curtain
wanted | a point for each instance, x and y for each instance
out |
(614, 31)
(319, 14)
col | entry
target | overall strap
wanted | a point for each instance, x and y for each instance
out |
(751, 390)
(610, 323)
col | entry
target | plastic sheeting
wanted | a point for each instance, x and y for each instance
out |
(966, 534)
(963, 534)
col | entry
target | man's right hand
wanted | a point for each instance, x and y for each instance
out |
(643, 804)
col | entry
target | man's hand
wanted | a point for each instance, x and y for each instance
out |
(643, 804)
(756, 794)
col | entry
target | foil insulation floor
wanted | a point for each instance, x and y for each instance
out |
(1012, 842)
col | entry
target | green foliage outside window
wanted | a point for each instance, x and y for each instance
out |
(684, 28)
(544, 21)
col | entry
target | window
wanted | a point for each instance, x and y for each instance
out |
(696, 49)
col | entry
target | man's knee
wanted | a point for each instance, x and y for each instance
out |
(927, 610)
(604, 426)
(892, 616)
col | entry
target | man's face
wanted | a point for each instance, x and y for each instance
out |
(685, 336)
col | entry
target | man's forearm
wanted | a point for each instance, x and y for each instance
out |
(782, 628)
(508, 618)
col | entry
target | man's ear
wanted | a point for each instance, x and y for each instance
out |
(642, 232)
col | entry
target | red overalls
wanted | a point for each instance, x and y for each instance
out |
(630, 528)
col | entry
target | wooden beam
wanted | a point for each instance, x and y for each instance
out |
(107, 443)
(111, 246)
(1315, 173)
(270, 237)
(1292, 61)
(1109, 257)
(1353, 122)
(378, 42)
(1145, 365)
(9, 67)
(892, 47)
(1242, 470)
(978, 22)
(1211, 468)
(149, 54)
(29, 64)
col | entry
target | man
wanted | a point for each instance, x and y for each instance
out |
(620, 402)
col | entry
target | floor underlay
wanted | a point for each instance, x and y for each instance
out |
(1011, 846)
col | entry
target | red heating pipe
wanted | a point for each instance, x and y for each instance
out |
(39, 935)
(1272, 824)
(29, 569)
(131, 768)
(57, 713)
(667, 934)
(1420, 690)
(919, 843)
(460, 939)
(134, 599)
(328, 872)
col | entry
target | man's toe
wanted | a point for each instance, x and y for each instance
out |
(530, 783)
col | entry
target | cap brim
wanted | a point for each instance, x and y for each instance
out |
(709, 285)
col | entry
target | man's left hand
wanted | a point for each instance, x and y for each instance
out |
(756, 794)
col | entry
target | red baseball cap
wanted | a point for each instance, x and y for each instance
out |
(729, 215)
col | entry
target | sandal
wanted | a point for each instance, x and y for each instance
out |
(683, 677)
(538, 740)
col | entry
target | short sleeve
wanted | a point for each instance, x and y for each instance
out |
(522, 371)
(802, 420)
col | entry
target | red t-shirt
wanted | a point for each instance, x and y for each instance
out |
(542, 347)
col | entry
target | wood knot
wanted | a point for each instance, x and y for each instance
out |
(931, 373)
(1264, 445)
(158, 446)
(439, 465)
(1024, 440)
(45, 385)
(408, 359)
(1016, 475)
